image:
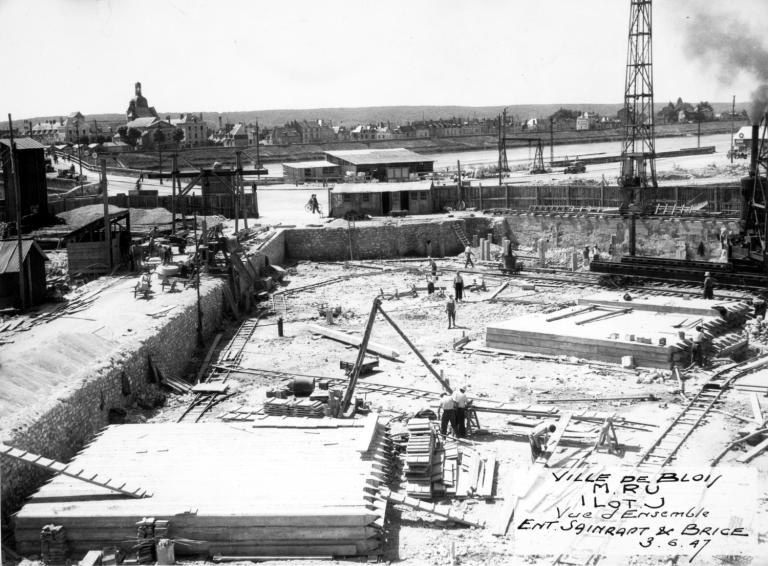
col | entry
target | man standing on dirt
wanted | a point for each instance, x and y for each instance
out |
(433, 266)
(468, 258)
(450, 309)
(709, 286)
(460, 398)
(458, 286)
(697, 347)
(448, 413)
(430, 284)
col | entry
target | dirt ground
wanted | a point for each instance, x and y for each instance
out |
(413, 537)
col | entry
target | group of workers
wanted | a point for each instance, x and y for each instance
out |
(139, 251)
(453, 411)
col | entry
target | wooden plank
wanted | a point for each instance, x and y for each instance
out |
(231, 301)
(213, 387)
(353, 340)
(369, 433)
(754, 452)
(485, 489)
(757, 412)
(554, 440)
(499, 290)
(208, 356)
(503, 517)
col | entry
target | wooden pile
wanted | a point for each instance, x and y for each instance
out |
(419, 458)
(234, 489)
(307, 408)
(149, 531)
(53, 544)
(475, 474)
(438, 466)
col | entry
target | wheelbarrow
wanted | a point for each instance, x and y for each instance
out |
(144, 286)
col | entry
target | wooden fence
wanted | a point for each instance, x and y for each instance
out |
(219, 204)
(720, 199)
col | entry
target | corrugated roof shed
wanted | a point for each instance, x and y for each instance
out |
(382, 187)
(379, 156)
(23, 143)
(9, 254)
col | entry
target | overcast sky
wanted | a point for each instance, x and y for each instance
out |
(59, 56)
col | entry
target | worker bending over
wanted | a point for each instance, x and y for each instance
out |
(539, 437)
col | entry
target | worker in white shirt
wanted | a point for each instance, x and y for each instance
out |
(697, 347)
(448, 413)
(460, 398)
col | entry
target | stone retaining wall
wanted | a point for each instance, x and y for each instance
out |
(655, 236)
(381, 240)
(64, 424)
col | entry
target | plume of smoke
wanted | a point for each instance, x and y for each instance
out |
(729, 44)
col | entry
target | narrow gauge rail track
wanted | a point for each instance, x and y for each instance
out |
(204, 401)
(650, 286)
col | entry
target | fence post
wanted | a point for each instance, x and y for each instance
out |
(538, 195)
(567, 195)
(506, 195)
(480, 195)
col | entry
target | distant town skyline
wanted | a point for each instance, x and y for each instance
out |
(61, 56)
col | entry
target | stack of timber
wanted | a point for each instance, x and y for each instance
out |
(419, 458)
(476, 474)
(294, 408)
(225, 489)
(53, 544)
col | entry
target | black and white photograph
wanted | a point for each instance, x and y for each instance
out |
(403, 282)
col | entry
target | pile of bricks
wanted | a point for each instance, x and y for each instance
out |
(53, 544)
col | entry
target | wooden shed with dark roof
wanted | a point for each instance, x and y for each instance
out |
(30, 172)
(33, 262)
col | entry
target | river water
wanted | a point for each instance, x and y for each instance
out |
(523, 155)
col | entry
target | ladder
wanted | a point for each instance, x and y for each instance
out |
(63, 469)
(442, 511)
(460, 234)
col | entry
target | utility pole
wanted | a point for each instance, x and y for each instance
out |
(458, 186)
(107, 223)
(236, 179)
(733, 117)
(79, 152)
(174, 174)
(200, 341)
(698, 133)
(17, 192)
(551, 141)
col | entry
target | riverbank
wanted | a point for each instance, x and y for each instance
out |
(298, 152)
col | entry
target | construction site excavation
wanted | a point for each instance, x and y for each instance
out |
(368, 354)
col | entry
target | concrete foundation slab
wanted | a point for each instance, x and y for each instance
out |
(607, 329)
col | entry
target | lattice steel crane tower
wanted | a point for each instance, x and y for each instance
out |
(638, 152)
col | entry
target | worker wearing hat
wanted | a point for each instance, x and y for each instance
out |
(709, 286)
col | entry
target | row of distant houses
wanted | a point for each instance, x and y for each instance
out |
(145, 129)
